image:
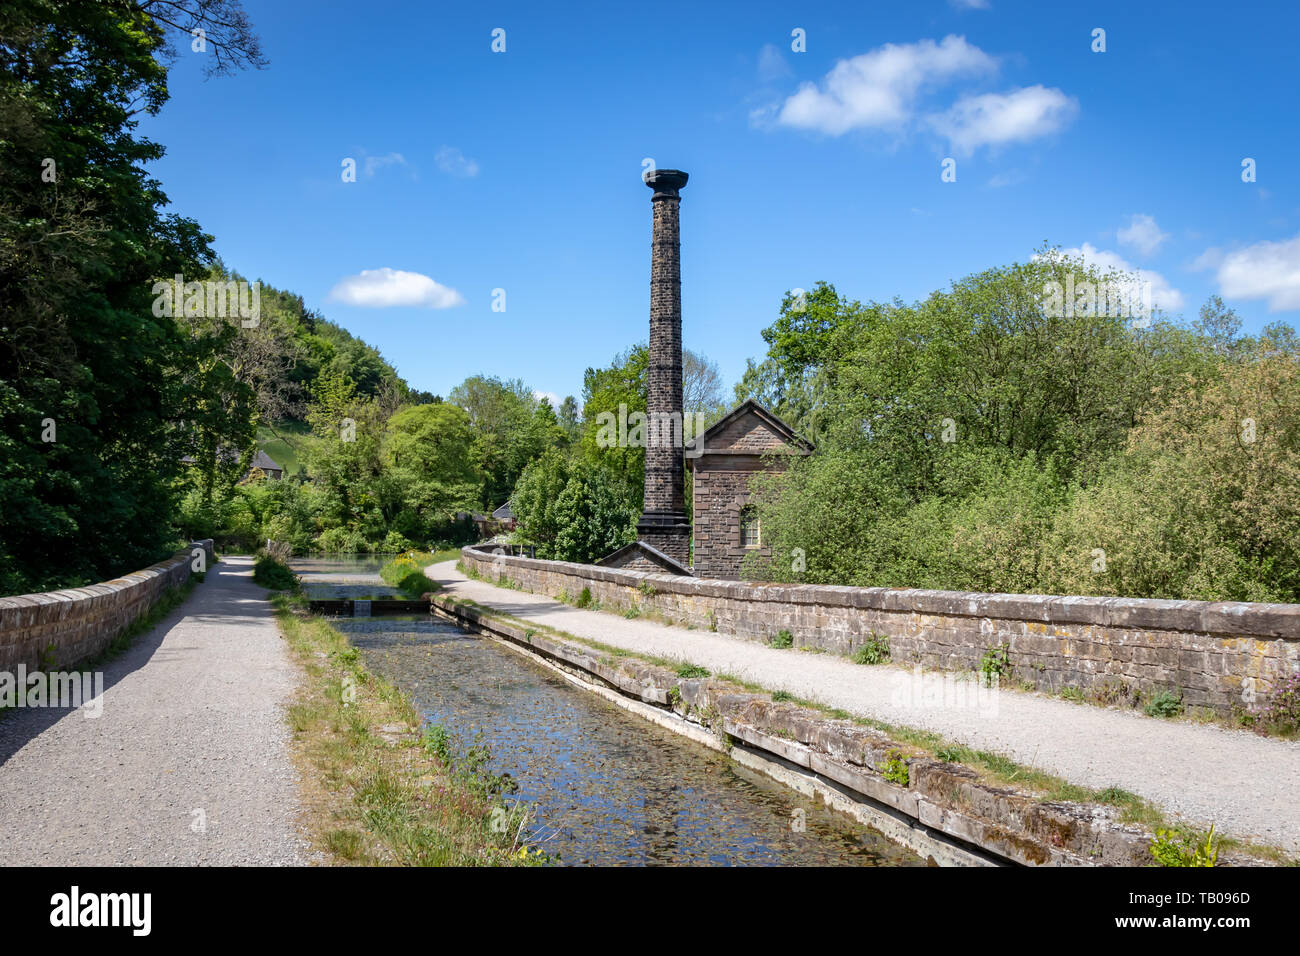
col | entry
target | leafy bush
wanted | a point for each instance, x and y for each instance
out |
(875, 650)
(270, 572)
(894, 768)
(782, 640)
(994, 663)
(406, 573)
(1164, 704)
(395, 543)
(688, 671)
(342, 541)
(1179, 847)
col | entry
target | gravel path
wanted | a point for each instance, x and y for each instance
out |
(1243, 783)
(192, 720)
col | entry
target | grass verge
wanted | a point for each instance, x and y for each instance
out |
(376, 789)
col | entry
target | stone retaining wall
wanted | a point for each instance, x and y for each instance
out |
(1219, 655)
(59, 629)
(939, 809)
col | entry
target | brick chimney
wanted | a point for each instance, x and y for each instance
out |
(663, 523)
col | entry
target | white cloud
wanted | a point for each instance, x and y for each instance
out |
(1142, 234)
(771, 64)
(384, 288)
(1163, 295)
(455, 163)
(879, 88)
(1265, 270)
(1211, 258)
(1009, 178)
(992, 119)
(374, 163)
(549, 396)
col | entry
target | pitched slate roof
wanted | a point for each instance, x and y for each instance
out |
(651, 554)
(751, 407)
(504, 513)
(260, 460)
(265, 462)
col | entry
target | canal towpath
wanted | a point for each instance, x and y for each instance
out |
(188, 761)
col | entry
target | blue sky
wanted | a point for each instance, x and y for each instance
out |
(521, 170)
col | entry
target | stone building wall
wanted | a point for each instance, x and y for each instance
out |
(746, 441)
(74, 625)
(1218, 655)
(721, 491)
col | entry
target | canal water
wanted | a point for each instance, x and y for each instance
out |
(601, 785)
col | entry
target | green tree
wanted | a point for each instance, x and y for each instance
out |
(85, 235)
(617, 390)
(429, 452)
(950, 430)
(501, 413)
(572, 510)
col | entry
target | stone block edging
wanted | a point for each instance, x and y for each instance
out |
(945, 801)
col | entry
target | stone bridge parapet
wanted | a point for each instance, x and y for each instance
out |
(1219, 655)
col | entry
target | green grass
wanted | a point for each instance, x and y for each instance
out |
(377, 792)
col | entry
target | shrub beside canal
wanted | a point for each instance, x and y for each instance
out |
(406, 573)
(271, 572)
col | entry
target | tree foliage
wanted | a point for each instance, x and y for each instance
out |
(977, 440)
(83, 235)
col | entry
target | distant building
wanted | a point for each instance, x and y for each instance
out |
(265, 462)
(505, 516)
(261, 461)
(726, 528)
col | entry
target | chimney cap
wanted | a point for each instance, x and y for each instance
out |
(665, 182)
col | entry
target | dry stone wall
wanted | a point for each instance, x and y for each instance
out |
(1218, 655)
(59, 629)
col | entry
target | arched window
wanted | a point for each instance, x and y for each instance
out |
(750, 531)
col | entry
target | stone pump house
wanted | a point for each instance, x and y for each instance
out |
(748, 440)
(726, 528)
